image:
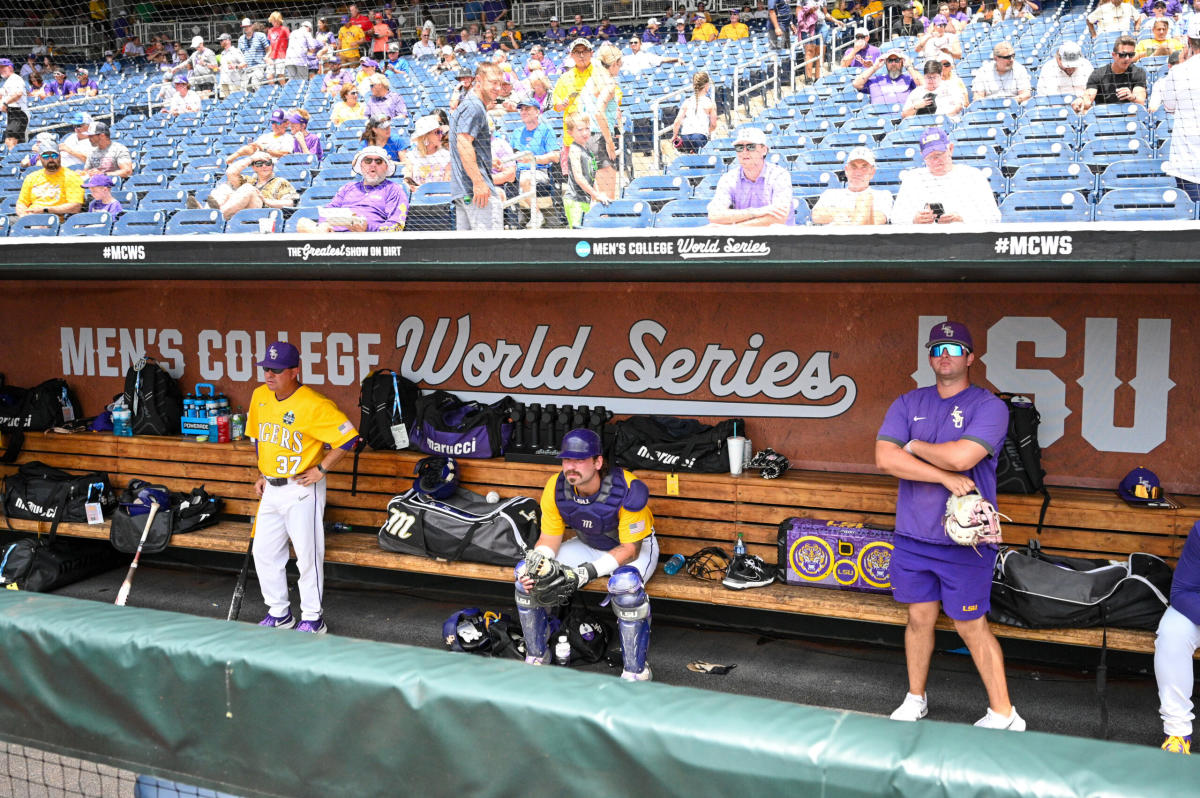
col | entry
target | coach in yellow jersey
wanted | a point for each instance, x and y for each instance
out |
(292, 425)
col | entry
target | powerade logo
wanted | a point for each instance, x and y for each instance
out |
(583, 249)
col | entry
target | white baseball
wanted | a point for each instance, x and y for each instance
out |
(493, 497)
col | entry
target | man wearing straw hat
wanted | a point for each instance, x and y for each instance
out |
(372, 204)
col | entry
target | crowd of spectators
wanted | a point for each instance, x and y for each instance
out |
(357, 56)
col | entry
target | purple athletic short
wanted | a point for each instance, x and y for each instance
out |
(953, 575)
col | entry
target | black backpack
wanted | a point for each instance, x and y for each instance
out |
(49, 405)
(1019, 461)
(665, 443)
(153, 397)
(386, 399)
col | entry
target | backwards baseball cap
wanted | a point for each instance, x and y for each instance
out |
(98, 180)
(278, 117)
(1140, 486)
(1070, 53)
(934, 139)
(950, 332)
(280, 355)
(861, 154)
(750, 135)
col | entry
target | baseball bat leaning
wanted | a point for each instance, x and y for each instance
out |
(123, 593)
(239, 590)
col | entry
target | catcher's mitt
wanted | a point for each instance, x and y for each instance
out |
(971, 520)
(710, 562)
(553, 582)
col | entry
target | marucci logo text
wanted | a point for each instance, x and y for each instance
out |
(1034, 245)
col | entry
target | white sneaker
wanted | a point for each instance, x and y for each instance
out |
(645, 676)
(532, 660)
(914, 708)
(992, 720)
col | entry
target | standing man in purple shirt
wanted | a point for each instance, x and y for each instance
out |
(1178, 638)
(892, 85)
(554, 33)
(373, 204)
(754, 193)
(942, 440)
(650, 34)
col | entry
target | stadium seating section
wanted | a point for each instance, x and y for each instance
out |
(1045, 161)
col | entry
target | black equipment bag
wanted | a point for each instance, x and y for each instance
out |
(153, 397)
(1036, 590)
(49, 405)
(187, 512)
(463, 527)
(586, 631)
(35, 491)
(665, 443)
(1019, 461)
(44, 564)
(386, 399)
(445, 424)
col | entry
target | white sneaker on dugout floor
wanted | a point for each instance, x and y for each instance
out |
(914, 708)
(992, 720)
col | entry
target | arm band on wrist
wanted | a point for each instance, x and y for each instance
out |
(605, 564)
(321, 468)
(908, 447)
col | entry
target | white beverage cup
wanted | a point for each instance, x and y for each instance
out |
(737, 454)
(266, 225)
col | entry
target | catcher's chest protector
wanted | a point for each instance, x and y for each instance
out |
(596, 519)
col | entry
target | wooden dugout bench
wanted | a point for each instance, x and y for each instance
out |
(709, 510)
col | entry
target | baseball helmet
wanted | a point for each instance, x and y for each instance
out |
(437, 476)
(466, 630)
(580, 444)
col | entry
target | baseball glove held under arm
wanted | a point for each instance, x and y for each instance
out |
(971, 520)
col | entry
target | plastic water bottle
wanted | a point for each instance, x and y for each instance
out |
(237, 425)
(562, 651)
(739, 547)
(122, 421)
(223, 428)
(674, 564)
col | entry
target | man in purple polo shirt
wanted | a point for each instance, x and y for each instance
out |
(942, 440)
(373, 204)
(893, 84)
(862, 53)
(753, 193)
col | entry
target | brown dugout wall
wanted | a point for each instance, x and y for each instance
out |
(260, 713)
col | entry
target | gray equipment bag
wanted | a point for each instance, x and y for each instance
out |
(464, 526)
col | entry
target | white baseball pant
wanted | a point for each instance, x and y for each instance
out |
(293, 513)
(1174, 648)
(575, 552)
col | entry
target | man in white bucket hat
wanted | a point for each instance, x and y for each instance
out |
(370, 204)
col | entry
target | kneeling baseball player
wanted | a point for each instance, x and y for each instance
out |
(614, 538)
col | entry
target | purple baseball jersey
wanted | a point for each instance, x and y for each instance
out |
(1185, 587)
(974, 414)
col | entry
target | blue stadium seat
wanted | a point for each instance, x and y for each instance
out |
(706, 187)
(847, 140)
(87, 224)
(1099, 153)
(1062, 132)
(4, 224)
(822, 158)
(1135, 173)
(298, 175)
(619, 213)
(1027, 152)
(683, 213)
(139, 223)
(1144, 204)
(164, 199)
(297, 215)
(33, 225)
(195, 222)
(658, 190)
(317, 195)
(1045, 206)
(431, 207)
(247, 219)
(695, 166)
(305, 159)
(143, 183)
(336, 175)
(1057, 176)
(803, 212)
(814, 180)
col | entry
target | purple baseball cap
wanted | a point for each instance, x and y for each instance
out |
(281, 355)
(295, 117)
(369, 62)
(278, 117)
(1140, 486)
(98, 180)
(934, 139)
(950, 332)
(939, 20)
(181, 80)
(4, 62)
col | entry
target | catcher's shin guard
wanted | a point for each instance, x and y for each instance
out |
(632, 608)
(535, 623)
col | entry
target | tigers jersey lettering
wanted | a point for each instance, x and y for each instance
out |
(292, 433)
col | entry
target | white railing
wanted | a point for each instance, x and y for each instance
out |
(771, 79)
(69, 103)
